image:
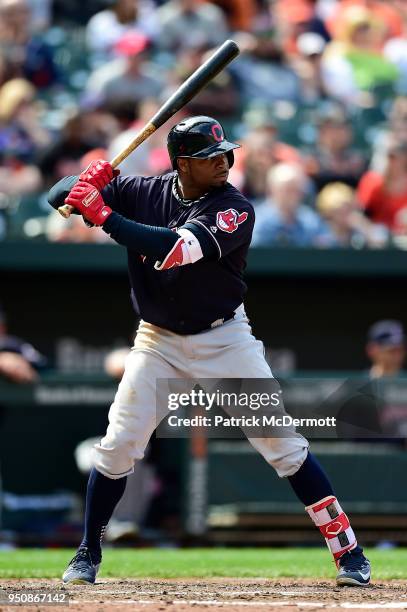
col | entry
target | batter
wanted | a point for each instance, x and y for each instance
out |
(187, 235)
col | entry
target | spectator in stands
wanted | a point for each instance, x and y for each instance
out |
(386, 349)
(63, 157)
(333, 158)
(354, 65)
(41, 14)
(129, 78)
(284, 219)
(368, 414)
(384, 196)
(262, 71)
(260, 151)
(384, 12)
(398, 118)
(151, 157)
(395, 49)
(294, 18)
(19, 360)
(220, 98)
(239, 13)
(7, 69)
(21, 135)
(187, 24)
(21, 132)
(31, 57)
(101, 125)
(2, 224)
(337, 204)
(395, 128)
(307, 65)
(120, 17)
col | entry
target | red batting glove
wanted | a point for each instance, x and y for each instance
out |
(88, 201)
(99, 173)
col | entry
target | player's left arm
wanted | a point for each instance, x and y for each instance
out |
(213, 234)
(167, 247)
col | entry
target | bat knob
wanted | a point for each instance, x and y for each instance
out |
(65, 211)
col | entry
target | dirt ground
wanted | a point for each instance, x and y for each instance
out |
(228, 595)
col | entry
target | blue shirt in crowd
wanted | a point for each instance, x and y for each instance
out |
(307, 229)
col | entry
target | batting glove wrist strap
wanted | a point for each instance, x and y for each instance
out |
(88, 201)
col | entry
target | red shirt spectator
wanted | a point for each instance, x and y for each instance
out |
(384, 196)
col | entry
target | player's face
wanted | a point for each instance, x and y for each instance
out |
(391, 358)
(207, 173)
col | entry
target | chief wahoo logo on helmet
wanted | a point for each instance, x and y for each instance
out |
(199, 137)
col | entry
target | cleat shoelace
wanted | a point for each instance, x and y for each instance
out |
(81, 560)
(353, 560)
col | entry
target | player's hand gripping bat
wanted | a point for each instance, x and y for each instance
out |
(197, 81)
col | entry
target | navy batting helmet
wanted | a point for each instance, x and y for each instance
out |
(199, 137)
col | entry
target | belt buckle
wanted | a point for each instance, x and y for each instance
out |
(217, 323)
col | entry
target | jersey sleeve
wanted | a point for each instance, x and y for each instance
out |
(228, 225)
(123, 194)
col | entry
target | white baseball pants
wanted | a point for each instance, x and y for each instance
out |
(227, 351)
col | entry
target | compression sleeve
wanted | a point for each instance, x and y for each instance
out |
(145, 239)
(148, 240)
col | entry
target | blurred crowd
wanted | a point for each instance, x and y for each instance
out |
(317, 98)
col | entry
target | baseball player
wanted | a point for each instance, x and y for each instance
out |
(187, 235)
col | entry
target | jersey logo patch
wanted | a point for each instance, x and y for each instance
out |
(229, 220)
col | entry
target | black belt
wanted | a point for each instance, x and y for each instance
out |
(222, 321)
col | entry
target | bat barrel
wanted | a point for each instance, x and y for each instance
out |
(197, 81)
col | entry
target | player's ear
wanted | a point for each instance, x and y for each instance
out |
(183, 165)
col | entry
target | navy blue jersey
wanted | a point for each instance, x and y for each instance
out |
(186, 299)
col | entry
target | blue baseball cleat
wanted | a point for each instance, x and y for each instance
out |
(354, 569)
(81, 569)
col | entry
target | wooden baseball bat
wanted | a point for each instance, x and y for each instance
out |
(193, 85)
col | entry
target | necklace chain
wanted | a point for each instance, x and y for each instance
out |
(181, 200)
